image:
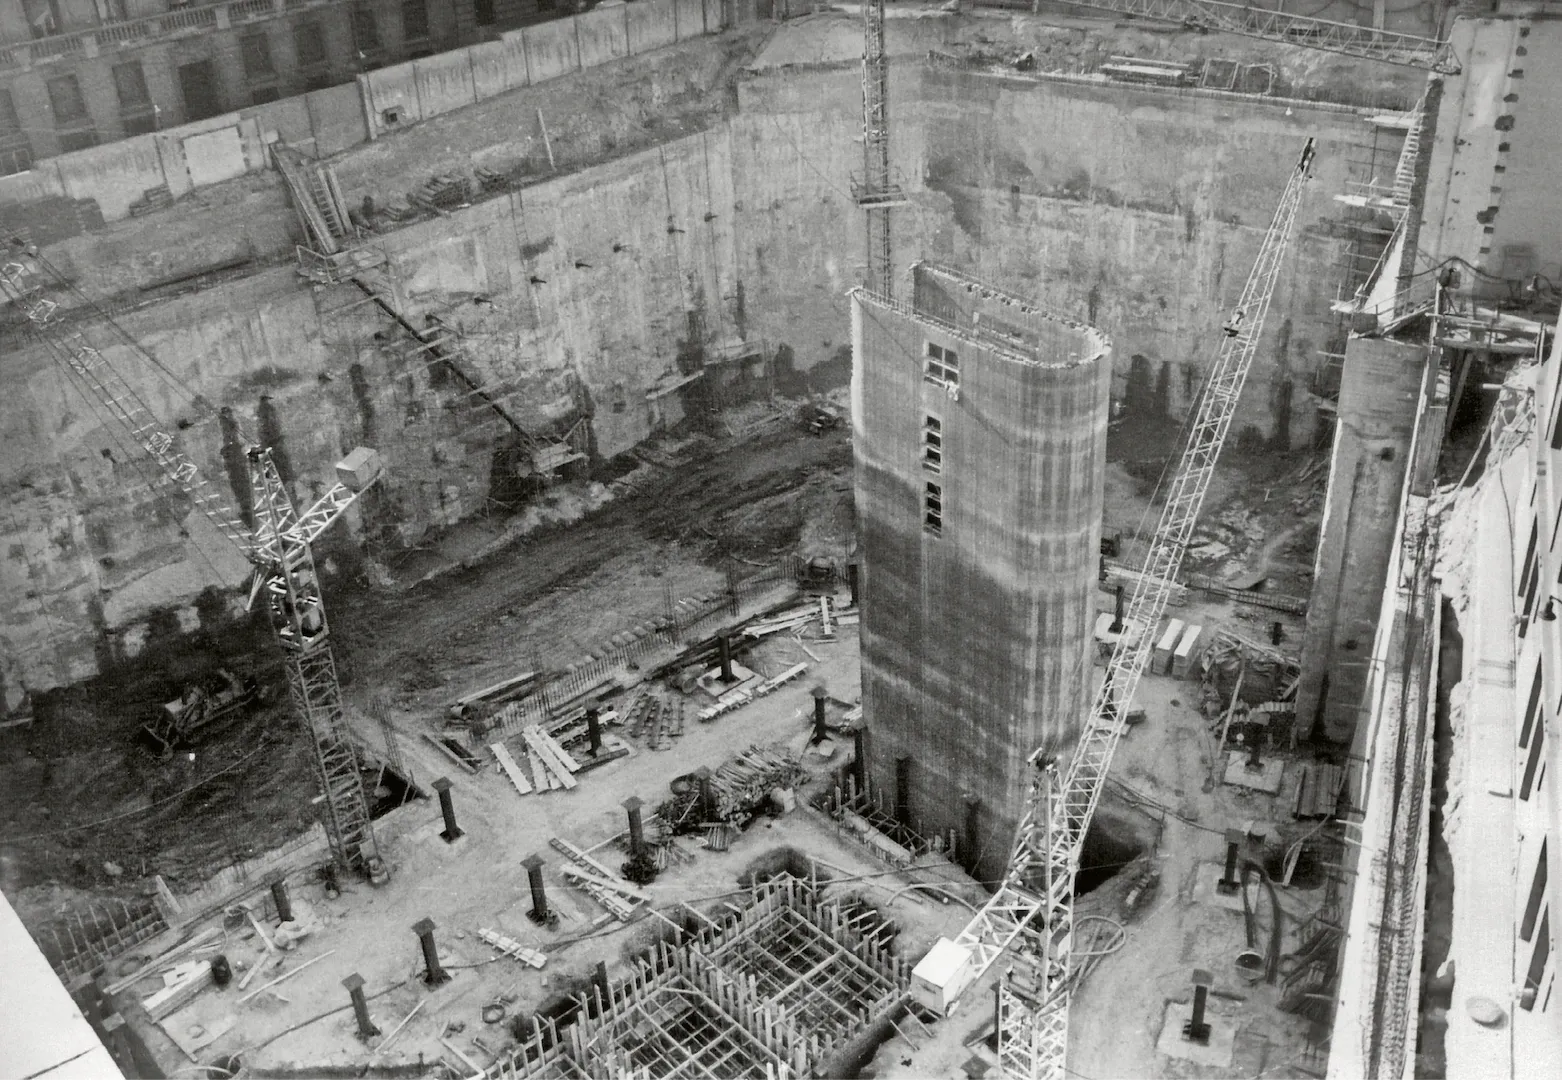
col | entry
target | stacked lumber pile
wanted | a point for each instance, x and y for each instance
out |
(551, 767)
(180, 987)
(441, 193)
(795, 620)
(738, 698)
(619, 897)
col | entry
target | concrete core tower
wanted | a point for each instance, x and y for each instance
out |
(979, 432)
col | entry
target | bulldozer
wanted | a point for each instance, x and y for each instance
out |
(199, 706)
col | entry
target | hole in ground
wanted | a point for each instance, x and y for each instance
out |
(388, 789)
(1109, 846)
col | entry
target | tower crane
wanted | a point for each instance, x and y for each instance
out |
(875, 192)
(1038, 885)
(1348, 39)
(279, 548)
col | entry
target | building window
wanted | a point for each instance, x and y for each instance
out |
(16, 154)
(201, 90)
(256, 52)
(1532, 708)
(43, 17)
(933, 517)
(65, 99)
(1532, 763)
(137, 114)
(261, 95)
(484, 12)
(943, 366)
(366, 32)
(933, 444)
(1537, 965)
(130, 87)
(414, 19)
(1537, 894)
(309, 41)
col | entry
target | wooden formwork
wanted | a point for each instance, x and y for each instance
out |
(675, 1017)
(769, 992)
(809, 964)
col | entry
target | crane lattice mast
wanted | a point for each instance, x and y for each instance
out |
(875, 192)
(1038, 886)
(291, 590)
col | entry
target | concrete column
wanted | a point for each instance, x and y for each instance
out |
(433, 973)
(447, 807)
(1228, 883)
(903, 791)
(594, 730)
(636, 826)
(820, 696)
(1196, 1030)
(366, 1028)
(860, 757)
(280, 899)
(539, 912)
(725, 644)
(971, 842)
(707, 797)
(854, 583)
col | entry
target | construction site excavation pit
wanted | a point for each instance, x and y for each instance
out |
(706, 605)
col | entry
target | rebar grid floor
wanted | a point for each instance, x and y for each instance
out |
(824, 987)
(770, 992)
(676, 1030)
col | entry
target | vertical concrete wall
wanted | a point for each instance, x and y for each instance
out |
(975, 637)
(1379, 388)
(117, 174)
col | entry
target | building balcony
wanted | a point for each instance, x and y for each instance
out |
(136, 33)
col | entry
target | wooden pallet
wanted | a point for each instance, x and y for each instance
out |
(511, 947)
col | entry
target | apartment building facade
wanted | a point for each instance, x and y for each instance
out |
(78, 73)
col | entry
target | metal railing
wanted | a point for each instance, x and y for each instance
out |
(133, 32)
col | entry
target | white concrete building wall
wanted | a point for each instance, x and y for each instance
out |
(1504, 813)
(42, 1034)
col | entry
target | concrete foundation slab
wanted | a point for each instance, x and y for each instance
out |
(711, 683)
(1204, 891)
(1267, 779)
(1222, 1037)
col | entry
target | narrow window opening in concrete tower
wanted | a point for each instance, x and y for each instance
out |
(1537, 895)
(933, 518)
(933, 445)
(1537, 965)
(943, 366)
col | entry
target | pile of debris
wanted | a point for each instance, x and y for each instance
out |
(1268, 712)
(720, 803)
